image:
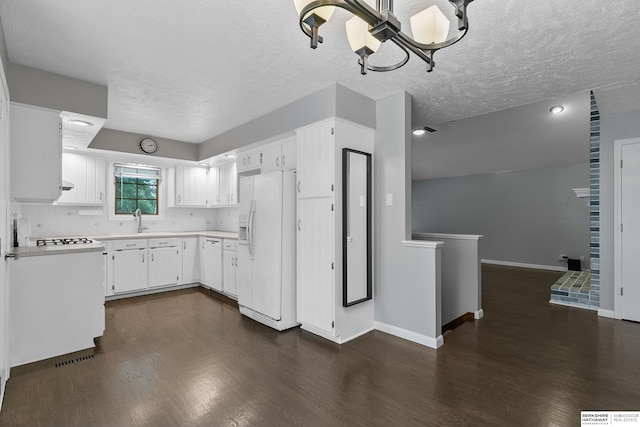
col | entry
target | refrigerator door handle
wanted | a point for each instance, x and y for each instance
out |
(250, 227)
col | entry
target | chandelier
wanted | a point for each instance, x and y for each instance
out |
(370, 27)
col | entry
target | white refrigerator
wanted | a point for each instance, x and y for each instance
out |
(266, 268)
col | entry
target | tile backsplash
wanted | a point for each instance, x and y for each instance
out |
(56, 220)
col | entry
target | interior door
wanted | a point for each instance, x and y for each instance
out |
(630, 231)
(5, 234)
(267, 245)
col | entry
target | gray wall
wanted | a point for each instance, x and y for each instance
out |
(125, 142)
(42, 88)
(613, 127)
(310, 109)
(529, 216)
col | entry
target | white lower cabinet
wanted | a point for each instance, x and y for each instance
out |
(211, 262)
(230, 262)
(130, 271)
(190, 260)
(164, 262)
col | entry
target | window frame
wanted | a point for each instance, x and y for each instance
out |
(160, 192)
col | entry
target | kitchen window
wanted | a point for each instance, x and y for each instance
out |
(136, 187)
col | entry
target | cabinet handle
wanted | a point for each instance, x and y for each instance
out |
(283, 161)
(203, 245)
(184, 245)
(142, 257)
(299, 225)
(298, 186)
(277, 163)
(179, 198)
(101, 196)
(163, 243)
(151, 256)
(130, 244)
(249, 160)
(217, 199)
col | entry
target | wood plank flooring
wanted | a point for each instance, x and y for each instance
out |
(190, 359)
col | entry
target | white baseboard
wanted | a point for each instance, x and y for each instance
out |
(523, 265)
(410, 335)
(478, 314)
(606, 313)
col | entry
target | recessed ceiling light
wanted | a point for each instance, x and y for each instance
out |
(78, 122)
(419, 132)
(70, 147)
(203, 164)
(556, 109)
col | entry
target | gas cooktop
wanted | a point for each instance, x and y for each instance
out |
(63, 241)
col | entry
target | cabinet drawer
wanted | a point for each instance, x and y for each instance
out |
(119, 245)
(163, 243)
(229, 244)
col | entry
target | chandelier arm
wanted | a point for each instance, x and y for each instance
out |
(362, 10)
(381, 68)
(433, 46)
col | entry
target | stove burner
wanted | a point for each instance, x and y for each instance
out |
(64, 241)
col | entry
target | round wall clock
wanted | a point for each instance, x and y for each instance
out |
(148, 145)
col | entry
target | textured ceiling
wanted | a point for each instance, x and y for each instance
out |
(192, 70)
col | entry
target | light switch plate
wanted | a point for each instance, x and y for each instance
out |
(389, 199)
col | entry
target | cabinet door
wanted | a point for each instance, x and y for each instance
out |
(315, 147)
(36, 154)
(233, 183)
(163, 266)
(228, 184)
(229, 272)
(314, 266)
(130, 270)
(288, 158)
(190, 260)
(271, 159)
(213, 187)
(96, 180)
(183, 182)
(198, 186)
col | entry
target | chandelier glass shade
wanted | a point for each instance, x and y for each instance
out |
(370, 27)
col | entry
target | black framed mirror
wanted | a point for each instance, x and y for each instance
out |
(356, 227)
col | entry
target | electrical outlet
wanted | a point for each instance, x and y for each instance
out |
(581, 258)
(563, 257)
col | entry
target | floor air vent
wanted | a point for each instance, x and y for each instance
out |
(72, 361)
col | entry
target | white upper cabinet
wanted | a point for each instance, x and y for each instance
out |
(228, 184)
(36, 151)
(88, 176)
(191, 186)
(249, 160)
(213, 186)
(315, 160)
(271, 158)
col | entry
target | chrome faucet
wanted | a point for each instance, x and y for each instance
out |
(138, 214)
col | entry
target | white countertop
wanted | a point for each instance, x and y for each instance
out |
(27, 251)
(160, 234)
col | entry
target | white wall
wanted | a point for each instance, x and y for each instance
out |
(527, 216)
(613, 127)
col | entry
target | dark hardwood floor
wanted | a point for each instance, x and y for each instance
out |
(189, 359)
